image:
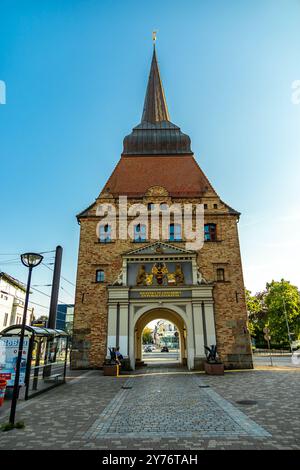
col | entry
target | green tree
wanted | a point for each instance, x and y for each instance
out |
(267, 309)
(42, 318)
(283, 297)
(147, 335)
(257, 316)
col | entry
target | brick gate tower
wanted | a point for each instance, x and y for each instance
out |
(123, 284)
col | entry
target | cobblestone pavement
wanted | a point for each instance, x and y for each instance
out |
(170, 410)
(187, 411)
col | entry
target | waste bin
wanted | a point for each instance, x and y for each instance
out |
(2, 390)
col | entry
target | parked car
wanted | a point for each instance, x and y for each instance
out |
(147, 349)
(164, 349)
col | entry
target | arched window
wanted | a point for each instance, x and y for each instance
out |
(105, 233)
(175, 232)
(140, 233)
(163, 206)
(210, 232)
(100, 276)
(220, 274)
(150, 206)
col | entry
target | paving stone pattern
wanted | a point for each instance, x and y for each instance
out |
(173, 406)
(162, 411)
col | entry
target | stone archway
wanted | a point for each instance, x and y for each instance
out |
(165, 314)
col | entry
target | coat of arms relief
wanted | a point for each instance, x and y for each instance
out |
(160, 275)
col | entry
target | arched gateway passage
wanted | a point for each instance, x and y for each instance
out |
(187, 303)
(165, 314)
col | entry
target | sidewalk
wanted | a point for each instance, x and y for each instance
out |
(163, 410)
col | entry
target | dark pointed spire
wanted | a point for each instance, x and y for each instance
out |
(155, 105)
(156, 135)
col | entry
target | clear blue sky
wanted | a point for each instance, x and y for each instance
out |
(76, 74)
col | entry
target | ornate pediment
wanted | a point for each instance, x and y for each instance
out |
(156, 191)
(158, 248)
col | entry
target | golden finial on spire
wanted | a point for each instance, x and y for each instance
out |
(154, 36)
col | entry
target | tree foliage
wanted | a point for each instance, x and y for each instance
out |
(42, 318)
(257, 316)
(147, 335)
(270, 308)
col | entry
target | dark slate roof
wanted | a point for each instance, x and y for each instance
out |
(156, 135)
(155, 106)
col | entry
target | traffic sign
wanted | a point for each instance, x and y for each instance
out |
(267, 337)
(266, 330)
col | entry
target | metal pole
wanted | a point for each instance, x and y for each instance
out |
(55, 288)
(19, 358)
(287, 325)
(37, 363)
(28, 366)
(66, 357)
(270, 351)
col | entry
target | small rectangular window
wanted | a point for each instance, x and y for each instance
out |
(5, 319)
(210, 232)
(175, 232)
(220, 274)
(140, 233)
(100, 277)
(215, 206)
(205, 206)
(105, 233)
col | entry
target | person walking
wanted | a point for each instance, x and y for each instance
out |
(119, 356)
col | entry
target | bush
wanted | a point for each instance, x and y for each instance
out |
(7, 427)
(20, 425)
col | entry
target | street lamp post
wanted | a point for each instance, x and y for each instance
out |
(30, 260)
(287, 326)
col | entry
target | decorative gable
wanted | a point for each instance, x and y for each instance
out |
(158, 248)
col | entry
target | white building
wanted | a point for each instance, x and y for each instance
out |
(164, 332)
(12, 298)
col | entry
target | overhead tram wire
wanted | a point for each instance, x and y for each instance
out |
(72, 284)
(9, 260)
(48, 267)
(71, 295)
(41, 285)
(44, 306)
(19, 254)
(9, 254)
(35, 303)
(40, 292)
(50, 285)
(14, 261)
(43, 293)
(47, 295)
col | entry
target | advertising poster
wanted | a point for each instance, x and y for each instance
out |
(9, 346)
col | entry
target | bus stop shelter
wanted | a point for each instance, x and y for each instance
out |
(44, 358)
